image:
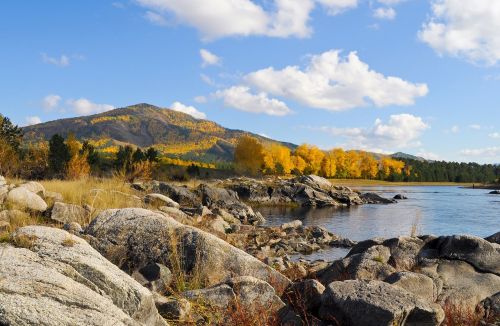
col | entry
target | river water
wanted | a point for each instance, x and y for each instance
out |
(438, 210)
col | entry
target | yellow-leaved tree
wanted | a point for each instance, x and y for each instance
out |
(312, 155)
(368, 165)
(352, 164)
(329, 165)
(249, 155)
(78, 166)
(277, 159)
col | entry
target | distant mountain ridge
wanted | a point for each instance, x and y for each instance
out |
(175, 133)
(144, 125)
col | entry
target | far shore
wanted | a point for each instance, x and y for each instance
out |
(367, 183)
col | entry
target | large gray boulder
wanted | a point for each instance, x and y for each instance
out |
(494, 238)
(376, 303)
(133, 238)
(67, 213)
(179, 194)
(478, 252)
(160, 200)
(24, 199)
(54, 278)
(419, 284)
(369, 265)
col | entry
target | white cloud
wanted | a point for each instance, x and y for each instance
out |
(191, 110)
(482, 152)
(62, 61)
(495, 135)
(384, 13)
(336, 83)
(335, 7)
(33, 120)
(240, 98)
(201, 99)
(467, 29)
(475, 127)
(155, 18)
(401, 131)
(208, 80)
(83, 106)
(209, 58)
(50, 102)
(222, 18)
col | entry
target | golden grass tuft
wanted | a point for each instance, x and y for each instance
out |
(101, 194)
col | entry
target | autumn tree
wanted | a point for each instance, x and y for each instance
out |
(249, 155)
(299, 165)
(277, 159)
(368, 165)
(390, 167)
(312, 155)
(329, 165)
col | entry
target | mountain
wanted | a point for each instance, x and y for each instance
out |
(405, 156)
(174, 133)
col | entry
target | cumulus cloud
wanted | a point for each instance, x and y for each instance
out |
(222, 18)
(336, 83)
(62, 61)
(494, 135)
(482, 152)
(401, 131)
(384, 13)
(84, 106)
(51, 102)
(467, 29)
(191, 110)
(208, 58)
(241, 98)
(33, 120)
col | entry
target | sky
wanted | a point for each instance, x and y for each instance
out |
(417, 76)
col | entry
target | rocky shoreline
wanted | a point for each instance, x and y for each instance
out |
(202, 256)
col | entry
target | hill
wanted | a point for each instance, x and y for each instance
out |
(404, 156)
(176, 134)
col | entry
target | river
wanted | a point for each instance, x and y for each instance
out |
(438, 210)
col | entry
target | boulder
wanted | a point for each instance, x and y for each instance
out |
(250, 293)
(305, 295)
(160, 200)
(376, 303)
(34, 187)
(155, 277)
(24, 199)
(12, 215)
(491, 308)
(462, 284)
(176, 214)
(291, 225)
(133, 238)
(494, 238)
(373, 198)
(404, 251)
(478, 252)
(67, 213)
(181, 195)
(370, 265)
(400, 197)
(73, 228)
(53, 197)
(494, 192)
(54, 278)
(175, 309)
(419, 284)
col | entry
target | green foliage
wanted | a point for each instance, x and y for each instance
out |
(10, 133)
(152, 155)
(59, 155)
(124, 159)
(138, 156)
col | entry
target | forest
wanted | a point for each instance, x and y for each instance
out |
(69, 158)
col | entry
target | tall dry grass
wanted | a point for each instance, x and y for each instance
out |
(100, 194)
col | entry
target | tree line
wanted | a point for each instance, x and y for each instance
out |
(255, 158)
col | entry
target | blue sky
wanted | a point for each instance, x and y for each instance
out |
(416, 76)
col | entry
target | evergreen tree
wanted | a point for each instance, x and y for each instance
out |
(138, 155)
(10, 133)
(59, 155)
(152, 155)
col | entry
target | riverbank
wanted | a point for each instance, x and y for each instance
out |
(184, 256)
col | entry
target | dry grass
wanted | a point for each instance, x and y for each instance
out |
(101, 194)
(415, 226)
(458, 315)
(19, 220)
